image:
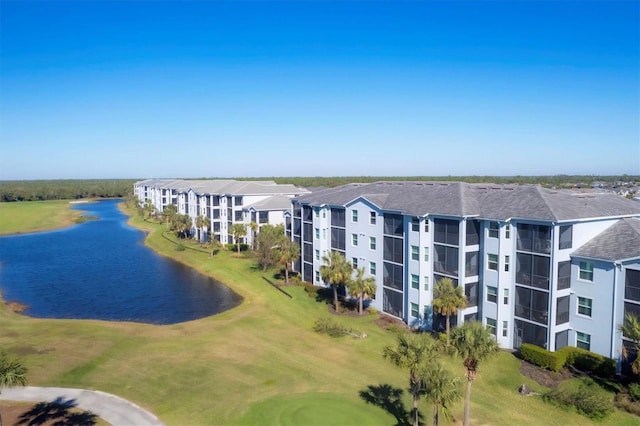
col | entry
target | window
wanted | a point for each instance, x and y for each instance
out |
(492, 294)
(324, 214)
(354, 262)
(471, 293)
(393, 225)
(317, 212)
(507, 231)
(492, 261)
(415, 311)
(317, 254)
(372, 218)
(426, 225)
(584, 306)
(473, 232)
(562, 310)
(566, 236)
(586, 271)
(446, 231)
(415, 253)
(491, 326)
(372, 243)
(505, 328)
(494, 229)
(415, 224)
(583, 340)
(426, 283)
(317, 275)
(354, 240)
(632, 284)
(426, 254)
(564, 275)
(446, 260)
(471, 264)
(505, 296)
(324, 234)
(354, 215)
(415, 281)
(372, 268)
(506, 263)
(317, 233)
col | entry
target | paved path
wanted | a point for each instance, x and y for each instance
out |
(115, 410)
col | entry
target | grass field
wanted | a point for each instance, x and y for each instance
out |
(259, 363)
(32, 216)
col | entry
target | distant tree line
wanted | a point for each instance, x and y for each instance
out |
(64, 189)
(546, 181)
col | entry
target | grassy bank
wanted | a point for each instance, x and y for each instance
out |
(259, 363)
(31, 216)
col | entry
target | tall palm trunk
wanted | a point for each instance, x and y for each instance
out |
(448, 328)
(286, 275)
(416, 417)
(436, 413)
(335, 296)
(467, 402)
(360, 306)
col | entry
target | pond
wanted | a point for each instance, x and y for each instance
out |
(101, 270)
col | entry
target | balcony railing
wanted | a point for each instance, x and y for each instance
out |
(446, 268)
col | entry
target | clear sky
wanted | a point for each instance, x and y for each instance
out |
(138, 89)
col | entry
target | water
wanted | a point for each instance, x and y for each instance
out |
(102, 270)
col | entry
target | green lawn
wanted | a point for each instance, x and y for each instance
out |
(259, 363)
(30, 216)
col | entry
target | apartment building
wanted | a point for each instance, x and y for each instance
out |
(223, 202)
(552, 268)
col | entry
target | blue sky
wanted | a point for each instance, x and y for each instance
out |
(119, 89)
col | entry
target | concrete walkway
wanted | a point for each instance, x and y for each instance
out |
(113, 409)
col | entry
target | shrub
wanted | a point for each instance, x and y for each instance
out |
(634, 391)
(372, 310)
(311, 290)
(543, 358)
(330, 327)
(180, 247)
(234, 247)
(589, 362)
(587, 398)
(625, 402)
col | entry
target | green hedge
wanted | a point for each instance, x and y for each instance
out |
(590, 362)
(543, 358)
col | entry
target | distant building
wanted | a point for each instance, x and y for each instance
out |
(547, 267)
(223, 202)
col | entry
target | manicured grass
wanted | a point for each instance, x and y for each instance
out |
(259, 362)
(30, 216)
(314, 409)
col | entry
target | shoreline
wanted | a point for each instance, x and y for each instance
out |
(68, 221)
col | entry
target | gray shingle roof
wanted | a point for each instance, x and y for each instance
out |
(620, 241)
(498, 202)
(225, 186)
(275, 202)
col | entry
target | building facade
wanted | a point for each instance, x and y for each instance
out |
(223, 202)
(521, 253)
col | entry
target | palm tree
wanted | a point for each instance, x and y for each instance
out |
(254, 229)
(202, 222)
(238, 230)
(442, 389)
(335, 271)
(361, 287)
(631, 330)
(169, 212)
(288, 252)
(413, 352)
(12, 373)
(447, 300)
(473, 343)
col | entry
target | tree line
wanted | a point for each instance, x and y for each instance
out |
(64, 189)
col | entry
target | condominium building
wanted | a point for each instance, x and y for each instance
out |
(552, 268)
(223, 202)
